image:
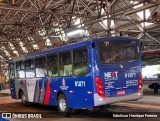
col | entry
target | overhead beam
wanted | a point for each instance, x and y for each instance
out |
(16, 24)
(135, 10)
(151, 52)
(150, 1)
(45, 12)
(153, 28)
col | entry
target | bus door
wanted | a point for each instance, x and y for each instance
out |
(12, 83)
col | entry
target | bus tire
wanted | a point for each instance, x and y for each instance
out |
(23, 99)
(63, 105)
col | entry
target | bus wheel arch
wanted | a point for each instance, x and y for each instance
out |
(58, 93)
(23, 98)
(62, 104)
(20, 93)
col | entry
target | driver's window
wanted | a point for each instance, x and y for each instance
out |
(12, 74)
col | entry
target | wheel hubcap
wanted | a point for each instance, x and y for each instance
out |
(62, 104)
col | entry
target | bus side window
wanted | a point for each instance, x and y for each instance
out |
(11, 74)
(65, 64)
(11, 70)
(29, 66)
(52, 65)
(40, 64)
(80, 62)
(20, 69)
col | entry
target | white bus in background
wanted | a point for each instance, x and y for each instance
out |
(151, 72)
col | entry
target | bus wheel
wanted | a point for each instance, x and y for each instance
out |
(23, 99)
(62, 104)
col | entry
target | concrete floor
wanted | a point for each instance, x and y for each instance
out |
(149, 104)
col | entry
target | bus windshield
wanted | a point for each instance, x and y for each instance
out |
(117, 51)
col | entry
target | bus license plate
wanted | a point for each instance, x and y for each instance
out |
(121, 92)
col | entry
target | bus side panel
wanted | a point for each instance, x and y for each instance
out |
(27, 86)
(20, 85)
(13, 89)
(35, 90)
(50, 93)
(83, 94)
(44, 92)
(30, 89)
(77, 89)
(82, 97)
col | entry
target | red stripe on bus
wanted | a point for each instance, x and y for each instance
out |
(48, 92)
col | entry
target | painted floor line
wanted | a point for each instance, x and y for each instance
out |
(139, 105)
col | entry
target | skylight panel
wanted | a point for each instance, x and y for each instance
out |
(57, 29)
(1, 57)
(21, 44)
(35, 46)
(147, 14)
(24, 49)
(48, 42)
(104, 23)
(137, 6)
(16, 53)
(77, 21)
(7, 53)
(63, 37)
(3, 48)
(11, 46)
(80, 25)
(60, 32)
(42, 32)
(30, 38)
(141, 14)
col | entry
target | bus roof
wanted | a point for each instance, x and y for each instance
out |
(74, 45)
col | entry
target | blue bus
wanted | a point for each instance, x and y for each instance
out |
(84, 75)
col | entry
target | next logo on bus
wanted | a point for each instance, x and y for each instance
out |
(111, 75)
